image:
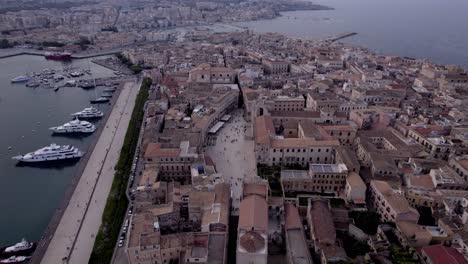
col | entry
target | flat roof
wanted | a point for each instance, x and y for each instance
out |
(216, 127)
(216, 248)
(226, 118)
(328, 168)
(294, 174)
(297, 247)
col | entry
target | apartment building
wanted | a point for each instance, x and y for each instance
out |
(330, 178)
(391, 204)
(252, 238)
(274, 150)
(287, 103)
(323, 232)
(205, 73)
(273, 66)
(173, 163)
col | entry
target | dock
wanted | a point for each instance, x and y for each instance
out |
(19, 52)
(339, 36)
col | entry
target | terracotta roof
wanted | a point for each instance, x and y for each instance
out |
(291, 217)
(305, 114)
(253, 213)
(260, 189)
(423, 180)
(346, 128)
(355, 180)
(263, 129)
(463, 163)
(443, 255)
(155, 150)
(302, 142)
(252, 241)
(322, 222)
(397, 201)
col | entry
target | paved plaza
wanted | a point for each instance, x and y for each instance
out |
(233, 155)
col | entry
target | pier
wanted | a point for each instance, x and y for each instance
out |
(339, 36)
(19, 52)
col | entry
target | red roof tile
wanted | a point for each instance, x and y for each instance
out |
(444, 255)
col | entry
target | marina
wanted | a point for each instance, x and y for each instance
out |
(37, 110)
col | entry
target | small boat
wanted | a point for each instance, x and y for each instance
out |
(107, 95)
(76, 74)
(70, 83)
(88, 113)
(56, 89)
(100, 100)
(61, 56)
(20, 79)
(110, 90)
(14, 259)
(19, 247)
(58, 78)
(32, 84)
(87, 85)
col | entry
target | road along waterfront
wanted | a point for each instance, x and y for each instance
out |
(73, 239)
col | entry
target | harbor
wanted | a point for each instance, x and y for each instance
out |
(36, 192)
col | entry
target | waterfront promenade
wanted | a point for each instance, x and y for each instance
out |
(74, 237)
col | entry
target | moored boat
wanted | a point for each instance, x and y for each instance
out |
(74, 126)
(88, 113)
(58, 56)
(100, 100)
(53, 152)
(14, 259)
(20, 79)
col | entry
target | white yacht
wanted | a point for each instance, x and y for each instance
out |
(53, 152)
(75, 126)
(21, 246)
(89, 112)
(14, 259)
(19, 79)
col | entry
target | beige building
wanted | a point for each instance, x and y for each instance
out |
(433, 140)
(161, 233)
(286, 103)
(173, 163)
(329, 178)
(252, 238)
(275, 150)
(460, 165)
(275, 66)
(323, 232)
(297, 250)
(391, 204)
(355, 189)
(204, 73)
(345, 134)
